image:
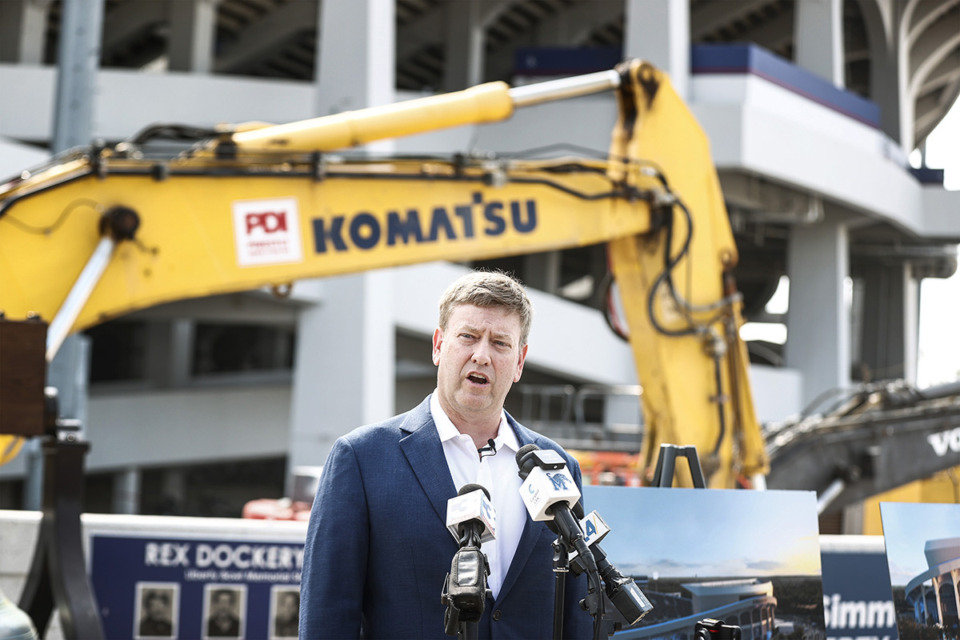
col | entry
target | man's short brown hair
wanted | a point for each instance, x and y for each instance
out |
(488, 289)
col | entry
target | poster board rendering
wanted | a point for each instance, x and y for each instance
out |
(747, 558)
(923, 556)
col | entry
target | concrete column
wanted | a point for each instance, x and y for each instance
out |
(890, 317)
(905, 98)
(888, 63)
(193, 25)
(78, 62)
(169, 357)
(356, 68)
(853, 519)
(181, 352)
(69, 373)
(126, 491)
(542, 271)
(344, 364)
(344, 371)
(174, 488)
(659, 31)
(818, 324)
(818, 38)
(953, 587)
(936, 592)
(23, 24)
(464, 45)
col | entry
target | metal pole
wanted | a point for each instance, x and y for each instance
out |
(78, 296)
(485, 103)
(78, 59)
(830, 494)
(57, 577)
(77, 62)
(563, 88)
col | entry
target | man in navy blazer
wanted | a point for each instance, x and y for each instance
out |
(378, 550)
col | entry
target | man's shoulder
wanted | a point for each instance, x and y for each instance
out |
(390, 429)
(373, 435)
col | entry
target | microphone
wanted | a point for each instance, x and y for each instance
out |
(623, 592)
(546, 494)
(594, 527)
(547, 485)
(471, 508)
(549, 491)
(489, 450)
(469, 516)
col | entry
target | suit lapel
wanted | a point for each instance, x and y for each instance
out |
(424, 453)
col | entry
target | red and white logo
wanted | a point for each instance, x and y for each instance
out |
(267, 232)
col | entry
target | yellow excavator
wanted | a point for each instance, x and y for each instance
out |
(101, 232)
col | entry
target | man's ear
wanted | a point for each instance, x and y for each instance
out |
(437, 341)
(523, 356)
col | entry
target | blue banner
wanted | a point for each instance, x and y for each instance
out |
(153, 587)
(857, 600)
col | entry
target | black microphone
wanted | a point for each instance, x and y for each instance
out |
(465, 587)
(489, 450)
(623, 592)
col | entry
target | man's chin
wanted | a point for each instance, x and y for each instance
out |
(476, 402)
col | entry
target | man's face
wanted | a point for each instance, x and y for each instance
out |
(223, 605)
(288, 607)
(157, 608)
(478, 358)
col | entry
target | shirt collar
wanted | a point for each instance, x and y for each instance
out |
(447, 430)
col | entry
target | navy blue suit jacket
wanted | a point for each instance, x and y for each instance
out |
(378, 550)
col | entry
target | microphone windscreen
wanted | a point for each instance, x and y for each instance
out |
(524, 450)
(469, 488)
(471, 504)
(578, 510)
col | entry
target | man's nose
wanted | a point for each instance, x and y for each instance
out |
(481, 353)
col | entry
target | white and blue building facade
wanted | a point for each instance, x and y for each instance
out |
(812, 107)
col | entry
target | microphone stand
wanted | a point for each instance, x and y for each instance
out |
(455, 594)
(569, 534)
(560, 569)
(593, 603)
(468, 631)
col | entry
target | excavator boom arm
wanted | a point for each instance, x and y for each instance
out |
(264, 205)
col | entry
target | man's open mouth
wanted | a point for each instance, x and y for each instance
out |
(476, 378)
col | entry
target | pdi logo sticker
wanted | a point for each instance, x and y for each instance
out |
(267, 232)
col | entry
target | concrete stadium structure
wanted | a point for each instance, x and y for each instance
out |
(935, 593)
(812, 108)
(745, 603)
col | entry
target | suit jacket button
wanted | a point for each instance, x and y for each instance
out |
(497, 614)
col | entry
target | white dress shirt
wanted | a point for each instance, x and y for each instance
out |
(497, 474)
